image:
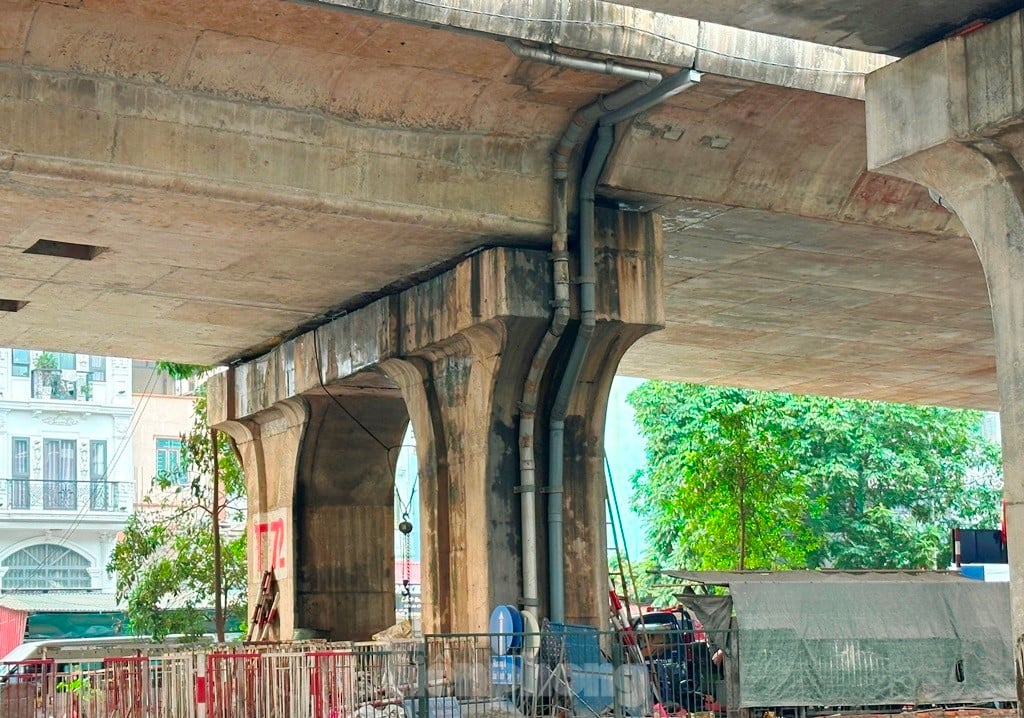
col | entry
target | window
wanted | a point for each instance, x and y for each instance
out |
(98, 460)
(19, 458)
(46, 566)
(66, 361)
(98, 368)
(19, 362)
(99, 493)
(59, 490)
(168, 460)
(19, 473)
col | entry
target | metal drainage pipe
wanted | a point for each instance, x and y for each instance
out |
(672, 85)
(570, 139)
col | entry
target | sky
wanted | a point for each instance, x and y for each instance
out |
(624, 448)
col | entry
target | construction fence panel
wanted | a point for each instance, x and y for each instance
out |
(26, 688)
(563, 670)
(232, 685)
(178, 685)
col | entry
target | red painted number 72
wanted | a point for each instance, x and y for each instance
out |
(276, 529)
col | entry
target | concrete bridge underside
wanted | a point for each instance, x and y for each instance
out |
(196, 143)
(358, 205)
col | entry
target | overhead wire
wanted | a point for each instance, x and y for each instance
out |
(118, 453)
(360, 424)
(405, 505)
(115, 457)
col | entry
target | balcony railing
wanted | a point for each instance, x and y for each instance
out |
(52, 495)
(61, 384)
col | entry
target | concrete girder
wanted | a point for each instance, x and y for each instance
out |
(873, 25)
(952, 118)
(767, 148)
(615, 30)
(457, 349)
(113, 131)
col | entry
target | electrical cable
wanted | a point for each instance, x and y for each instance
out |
(62, 540)
(361, 425)
(115, 458)
(405, 507)
(644, 31)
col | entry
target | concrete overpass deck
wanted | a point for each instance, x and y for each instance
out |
(250, 171)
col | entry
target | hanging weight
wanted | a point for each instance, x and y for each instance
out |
(405, 527)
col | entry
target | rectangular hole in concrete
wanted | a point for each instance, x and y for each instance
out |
(71, 250)
(11, 305)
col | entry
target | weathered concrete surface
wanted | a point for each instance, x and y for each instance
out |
(789, 265)
(344, 512)
(269, 446)
(469, 331)
(952, 118)
(458, 347)
(768, 301)
(665, 38)
(254, 168)
(896, 28)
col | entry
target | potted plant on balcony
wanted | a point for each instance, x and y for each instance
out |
(46, 360)
(86, 392)
(46, 364)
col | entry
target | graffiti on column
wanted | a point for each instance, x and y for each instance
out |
(271, 542)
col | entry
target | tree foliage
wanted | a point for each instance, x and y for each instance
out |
(747, 479)
(164, 559)
(176, 370)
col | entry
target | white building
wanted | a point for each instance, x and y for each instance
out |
(66, 477)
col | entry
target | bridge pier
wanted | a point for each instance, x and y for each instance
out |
(319, 420)
(951, 117)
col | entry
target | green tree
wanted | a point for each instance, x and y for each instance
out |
(164, 561)
(752, 479)
(721, 490)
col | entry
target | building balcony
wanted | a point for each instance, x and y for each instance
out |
(61, 385)
(72, 496)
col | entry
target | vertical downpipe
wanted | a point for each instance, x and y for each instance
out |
(668, 87)
(560, 408)
(528, 404)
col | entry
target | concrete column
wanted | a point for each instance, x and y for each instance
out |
(629, 305)
(951, 117)
(320, 473)
(451, 354)
(268, 445)
(463, 405)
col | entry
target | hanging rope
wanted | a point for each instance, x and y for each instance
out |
(406, 528)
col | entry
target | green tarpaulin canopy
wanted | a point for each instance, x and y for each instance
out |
(868, 639)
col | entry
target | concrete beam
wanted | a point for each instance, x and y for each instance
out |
(615, 30)
(962, 89)
(788, 152)
(896, 28)
(492, 284)
(115, 131)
